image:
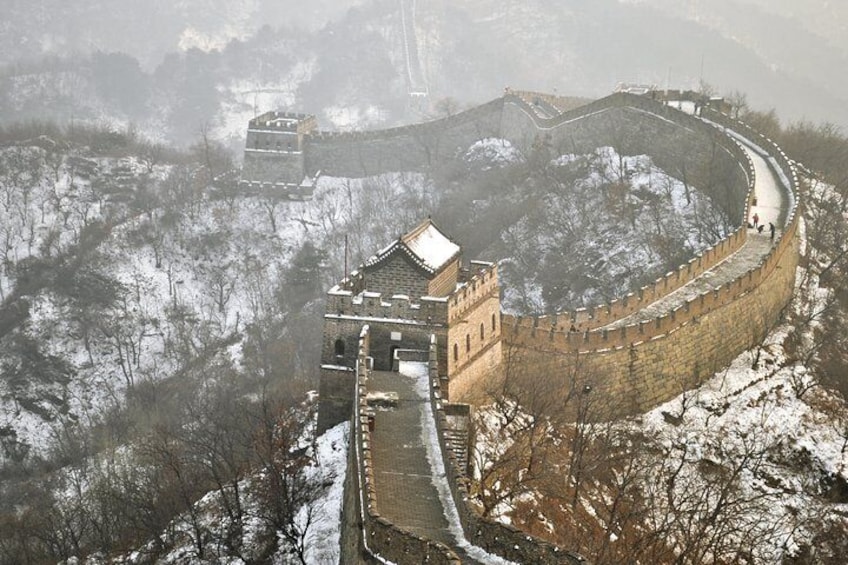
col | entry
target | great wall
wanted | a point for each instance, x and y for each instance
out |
(635, 352)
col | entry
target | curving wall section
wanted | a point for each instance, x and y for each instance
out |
(651, 358)
(640, 365)
(632, 368)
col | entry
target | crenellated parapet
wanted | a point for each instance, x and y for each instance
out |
(649, 360)
(374, 305)
(478, 284)
(547, 334)
(587, 319)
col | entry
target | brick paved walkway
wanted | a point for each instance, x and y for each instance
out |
(405, 492)
(769, 190)
(406, 495)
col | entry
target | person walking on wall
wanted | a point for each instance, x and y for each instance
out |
(771, 230)
(756, 219)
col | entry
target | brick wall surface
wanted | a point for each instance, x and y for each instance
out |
(633, 378)
(396, 276)
(271, 167)
(407, 148)
(444, 283)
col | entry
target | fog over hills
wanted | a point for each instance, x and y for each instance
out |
(188, 57)
(161, 322)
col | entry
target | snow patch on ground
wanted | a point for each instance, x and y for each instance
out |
(330, 467)
(492, 153)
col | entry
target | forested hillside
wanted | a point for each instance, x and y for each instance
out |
(159, 328)
(141, 296)
(749, 467)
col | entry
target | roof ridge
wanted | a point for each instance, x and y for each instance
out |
(417, 230)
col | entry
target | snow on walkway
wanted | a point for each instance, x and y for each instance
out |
(410, 477)
(772, 201)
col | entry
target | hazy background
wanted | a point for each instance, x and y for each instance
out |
(171, 69)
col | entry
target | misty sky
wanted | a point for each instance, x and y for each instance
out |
(217, 59)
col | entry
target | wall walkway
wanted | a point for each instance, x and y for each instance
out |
(646, 348)
(773, 203)
(404, 497)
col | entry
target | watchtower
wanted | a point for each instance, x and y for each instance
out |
(273, 155)
(413, 288)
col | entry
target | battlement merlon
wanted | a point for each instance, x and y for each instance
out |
(476, 283)
(374, 306)
(284, 122)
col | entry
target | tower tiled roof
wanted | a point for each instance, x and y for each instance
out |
(426, 245)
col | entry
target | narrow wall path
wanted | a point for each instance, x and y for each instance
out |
(409, 493)
(772, 205)
(405, 492)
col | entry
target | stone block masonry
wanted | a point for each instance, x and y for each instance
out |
(409, 148)
(633, 124)
(629, 366)
(635, 367)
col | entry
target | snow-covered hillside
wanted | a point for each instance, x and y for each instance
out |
(149, 316)
(752, 465)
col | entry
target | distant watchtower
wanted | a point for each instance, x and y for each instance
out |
(273, 155)
(409, 290)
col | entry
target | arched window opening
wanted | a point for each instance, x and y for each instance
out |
(456, 352)
(493, 322)
(482, 334)
(467, 343)
(340, 347)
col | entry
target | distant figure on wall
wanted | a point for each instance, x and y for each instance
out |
(771, 230)
(756, 219)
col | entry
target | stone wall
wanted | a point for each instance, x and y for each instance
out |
(586, 319)
(638, 366)
(634, 369)
(630, 369)
(494, 537)
(375, 305)
(444, 283)
(336, 392)
(474, 335)
(636, 125)
(262, 166)
(407, 148)
(379, 537)
(396, 322)
(396, 275)
(273, 152)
